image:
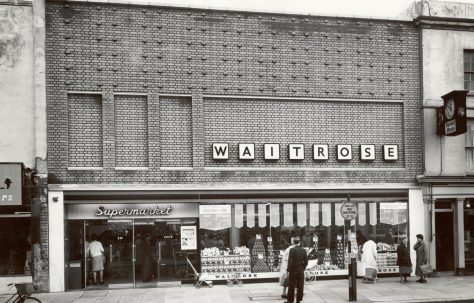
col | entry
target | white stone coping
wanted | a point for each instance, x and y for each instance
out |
(131, 168)
(229, 186)
(85, 168)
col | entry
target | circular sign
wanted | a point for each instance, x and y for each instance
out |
(349, 210)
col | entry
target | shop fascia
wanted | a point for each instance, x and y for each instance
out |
(220, 151)
(127, 212)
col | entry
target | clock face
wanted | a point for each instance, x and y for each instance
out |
(449, 109)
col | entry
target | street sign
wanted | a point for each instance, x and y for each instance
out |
(349, 210)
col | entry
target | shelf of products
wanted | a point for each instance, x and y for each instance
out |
(226, 264)
(385, 259)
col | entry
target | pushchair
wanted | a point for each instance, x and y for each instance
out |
(199, 278)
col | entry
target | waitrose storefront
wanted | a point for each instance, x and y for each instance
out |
(147, 242)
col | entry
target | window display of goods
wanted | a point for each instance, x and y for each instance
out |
(323, 267)
(241, 250)
(210, 251)
(386, 247)
(226, 264)
(386, 259)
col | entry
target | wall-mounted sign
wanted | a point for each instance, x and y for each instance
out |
(390, 152)
(220, 151)
(246, 151)
(271, 151)
(344, 152)
(188, 238)
(128, 212)
(451, 117)
(367, 152)
(11, 183)
(296, 151)
(83, 211)
(320, 151)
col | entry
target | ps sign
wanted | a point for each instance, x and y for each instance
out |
(349, 210)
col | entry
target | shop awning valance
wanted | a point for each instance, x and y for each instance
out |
(215, 217)
(314, 214)
(262, 215)
(250, 211)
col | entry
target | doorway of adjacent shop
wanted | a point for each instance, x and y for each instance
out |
(136, 253)
(444, 227)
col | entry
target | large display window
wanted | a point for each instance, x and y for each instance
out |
(15, 254)
(250, 238)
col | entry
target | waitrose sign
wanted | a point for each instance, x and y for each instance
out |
(246, 151)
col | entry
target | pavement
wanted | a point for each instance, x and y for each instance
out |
(440, 289)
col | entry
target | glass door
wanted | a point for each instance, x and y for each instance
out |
(114, 238)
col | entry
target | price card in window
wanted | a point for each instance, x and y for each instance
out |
(258, 237)
(260, 256)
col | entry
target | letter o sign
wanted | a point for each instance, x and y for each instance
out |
(344, 152)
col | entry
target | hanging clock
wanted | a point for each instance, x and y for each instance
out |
(449, 109)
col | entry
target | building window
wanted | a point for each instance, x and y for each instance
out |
(469, 69)
(15, 254)
(470, 147)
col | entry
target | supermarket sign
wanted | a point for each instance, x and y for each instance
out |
(296, 152)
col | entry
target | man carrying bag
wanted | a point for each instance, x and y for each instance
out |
(297, 262)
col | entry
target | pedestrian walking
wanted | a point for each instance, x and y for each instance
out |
(297, 262)
(96, 251)
(283, 273)
(421, 257)
(403, 260)
(369, 259)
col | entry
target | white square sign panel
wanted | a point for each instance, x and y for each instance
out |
(344, 152)
(246, 151)
(271, 151)
(220, 151)
(390, 152)
(320, 152)
(367, 152)
(296, 151)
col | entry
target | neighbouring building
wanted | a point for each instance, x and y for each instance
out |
(214, 136)
(23, 175)
(447, 43)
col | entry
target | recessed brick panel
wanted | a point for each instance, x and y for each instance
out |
(84, 130)
(305, 122)
(131, 131)
(176, 132)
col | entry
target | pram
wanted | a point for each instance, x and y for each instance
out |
(370, 275)
(199, 278)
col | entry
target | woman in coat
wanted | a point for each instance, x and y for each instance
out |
(421, 257)
(403, 260)
(369, 258)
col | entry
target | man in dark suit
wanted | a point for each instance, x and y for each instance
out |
(297, 262)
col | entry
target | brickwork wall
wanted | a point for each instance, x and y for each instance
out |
(84, 130)
(131, 131)
(176, 132)
(158, 50)
(305, 122)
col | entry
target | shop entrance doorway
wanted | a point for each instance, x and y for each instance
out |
(136, 253)
(444, 225)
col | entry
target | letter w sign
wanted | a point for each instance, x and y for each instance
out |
(220, 151)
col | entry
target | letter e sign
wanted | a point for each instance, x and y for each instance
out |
(390, 152)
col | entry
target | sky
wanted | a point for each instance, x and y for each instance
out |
(396, 9)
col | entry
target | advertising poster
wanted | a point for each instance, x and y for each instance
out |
(188, 238)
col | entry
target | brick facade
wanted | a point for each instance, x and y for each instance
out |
(221, 76)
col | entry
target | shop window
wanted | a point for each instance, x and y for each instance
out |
(258, 233)
(469, 69)
(15, 254)
(469, 234)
